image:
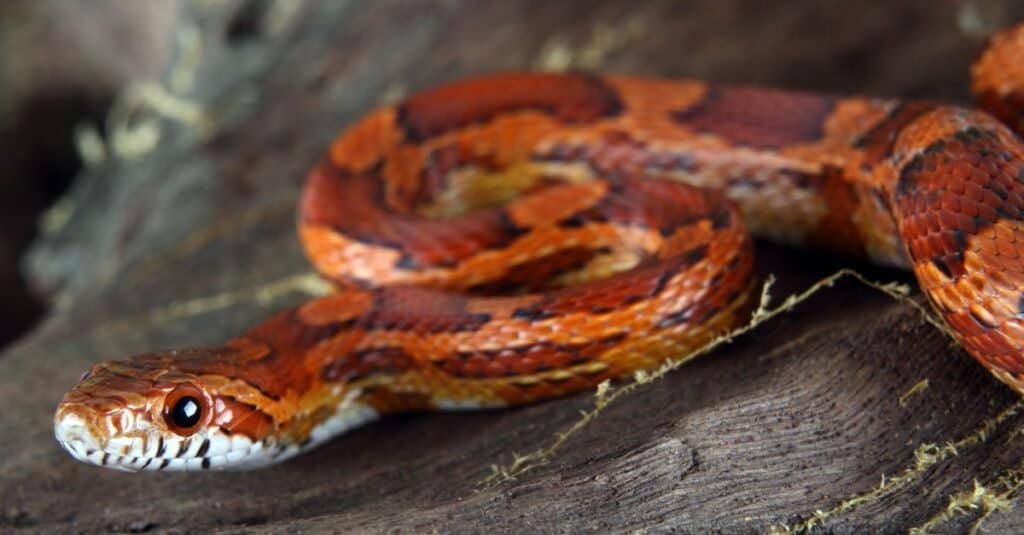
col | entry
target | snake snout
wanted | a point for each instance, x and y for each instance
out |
(103, 439)
(74, 436)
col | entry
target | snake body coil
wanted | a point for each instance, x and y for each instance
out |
(610, 215)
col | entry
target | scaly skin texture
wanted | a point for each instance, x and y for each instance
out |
(519, 237)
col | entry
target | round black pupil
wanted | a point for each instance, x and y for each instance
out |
(186, 412)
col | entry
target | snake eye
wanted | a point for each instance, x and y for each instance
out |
(186, 412)
(185, 408)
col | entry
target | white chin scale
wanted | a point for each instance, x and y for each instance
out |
(208, 449)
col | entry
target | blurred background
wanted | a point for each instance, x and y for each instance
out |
(61, 64)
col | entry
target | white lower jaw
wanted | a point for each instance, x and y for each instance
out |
(214, 451)
(208, 450)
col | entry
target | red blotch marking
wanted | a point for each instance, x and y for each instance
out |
(954, 189)
(354, 206)
(525, 360)
(759, 118)
(422, 310)
(570, 98)
(612, 293)
(537, 274)
(367, 362)
(659, 204)
(878, 142)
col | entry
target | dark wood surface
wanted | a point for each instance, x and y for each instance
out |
(813, 418)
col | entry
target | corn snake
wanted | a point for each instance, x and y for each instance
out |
(548, 188)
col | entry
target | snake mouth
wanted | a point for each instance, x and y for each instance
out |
(154, 451)
(76, 436)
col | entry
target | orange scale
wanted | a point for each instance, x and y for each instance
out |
(992, 166)
(977, 181)
(961, 172)
(962, 323)
(402, 171)
(983, 313)
(524, 365)
(1015, 233)
(986, 212)
(497, 337)
(1013, 198)
(950, 297)
(1014, 268)
(949, 219)
(1008, 362)
(992, 342)
(367, 141)
(1005, 282)
(340, 307)
(1003, 231)
(911, 227)
(1006, 250)
(1014, 330)
(956, 186)
(507, 355)
(451, 367)
(555, 359)
(964, 223)
(999, 306)
(934, 243)
(972, 190)
(979, 284)
(536, 352)
(475, 366)
(952, 203)
(1008, 297)
(991, 199)
(1011, 356)
(934, 223)
(983, 245)
(947, 246)
(985, 307)
(495, 369)
(987, 258)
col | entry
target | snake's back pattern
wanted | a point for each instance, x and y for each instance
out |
(518, 237)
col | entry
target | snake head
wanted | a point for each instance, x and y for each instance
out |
(152, 412)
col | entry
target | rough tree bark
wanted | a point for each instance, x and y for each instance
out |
(823, 416)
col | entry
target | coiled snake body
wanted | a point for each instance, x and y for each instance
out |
(611, 214)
